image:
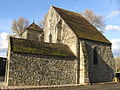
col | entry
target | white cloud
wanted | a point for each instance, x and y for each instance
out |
(116, 44)
(3, 54)
(112, 27)
(3, 35)
(116, 47)
(3, 43)
(5, 26)
(113, 14)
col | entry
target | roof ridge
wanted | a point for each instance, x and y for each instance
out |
(67, 10)
(34, 26)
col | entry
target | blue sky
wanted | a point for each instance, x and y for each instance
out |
(35, 10)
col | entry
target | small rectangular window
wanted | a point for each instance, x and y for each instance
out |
(95, 56)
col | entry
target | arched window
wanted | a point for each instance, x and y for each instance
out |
(59, 29)
(95, 56)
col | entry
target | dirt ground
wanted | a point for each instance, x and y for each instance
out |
(88, 87)
(99, 86)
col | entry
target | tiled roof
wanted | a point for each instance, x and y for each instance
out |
(42, 48)
(34, 26)
(80, 26)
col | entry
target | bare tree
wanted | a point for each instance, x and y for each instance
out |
(42, 23)
(95, 20)
(18, 26)
(117, 63)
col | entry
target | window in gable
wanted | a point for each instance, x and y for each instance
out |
(59, 29)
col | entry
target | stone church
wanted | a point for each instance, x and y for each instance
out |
(68, 51)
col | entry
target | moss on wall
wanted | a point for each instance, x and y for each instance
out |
(34, 47)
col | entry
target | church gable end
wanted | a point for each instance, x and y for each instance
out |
(80, 26)
(56, 30)
(33, 32)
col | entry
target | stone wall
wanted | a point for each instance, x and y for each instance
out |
(33, 35)
(84, 78)
(25, 34)
(57, 31)
(105, 69)
(37, 70)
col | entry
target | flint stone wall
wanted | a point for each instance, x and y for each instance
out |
(35, 70)
(104, 71)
